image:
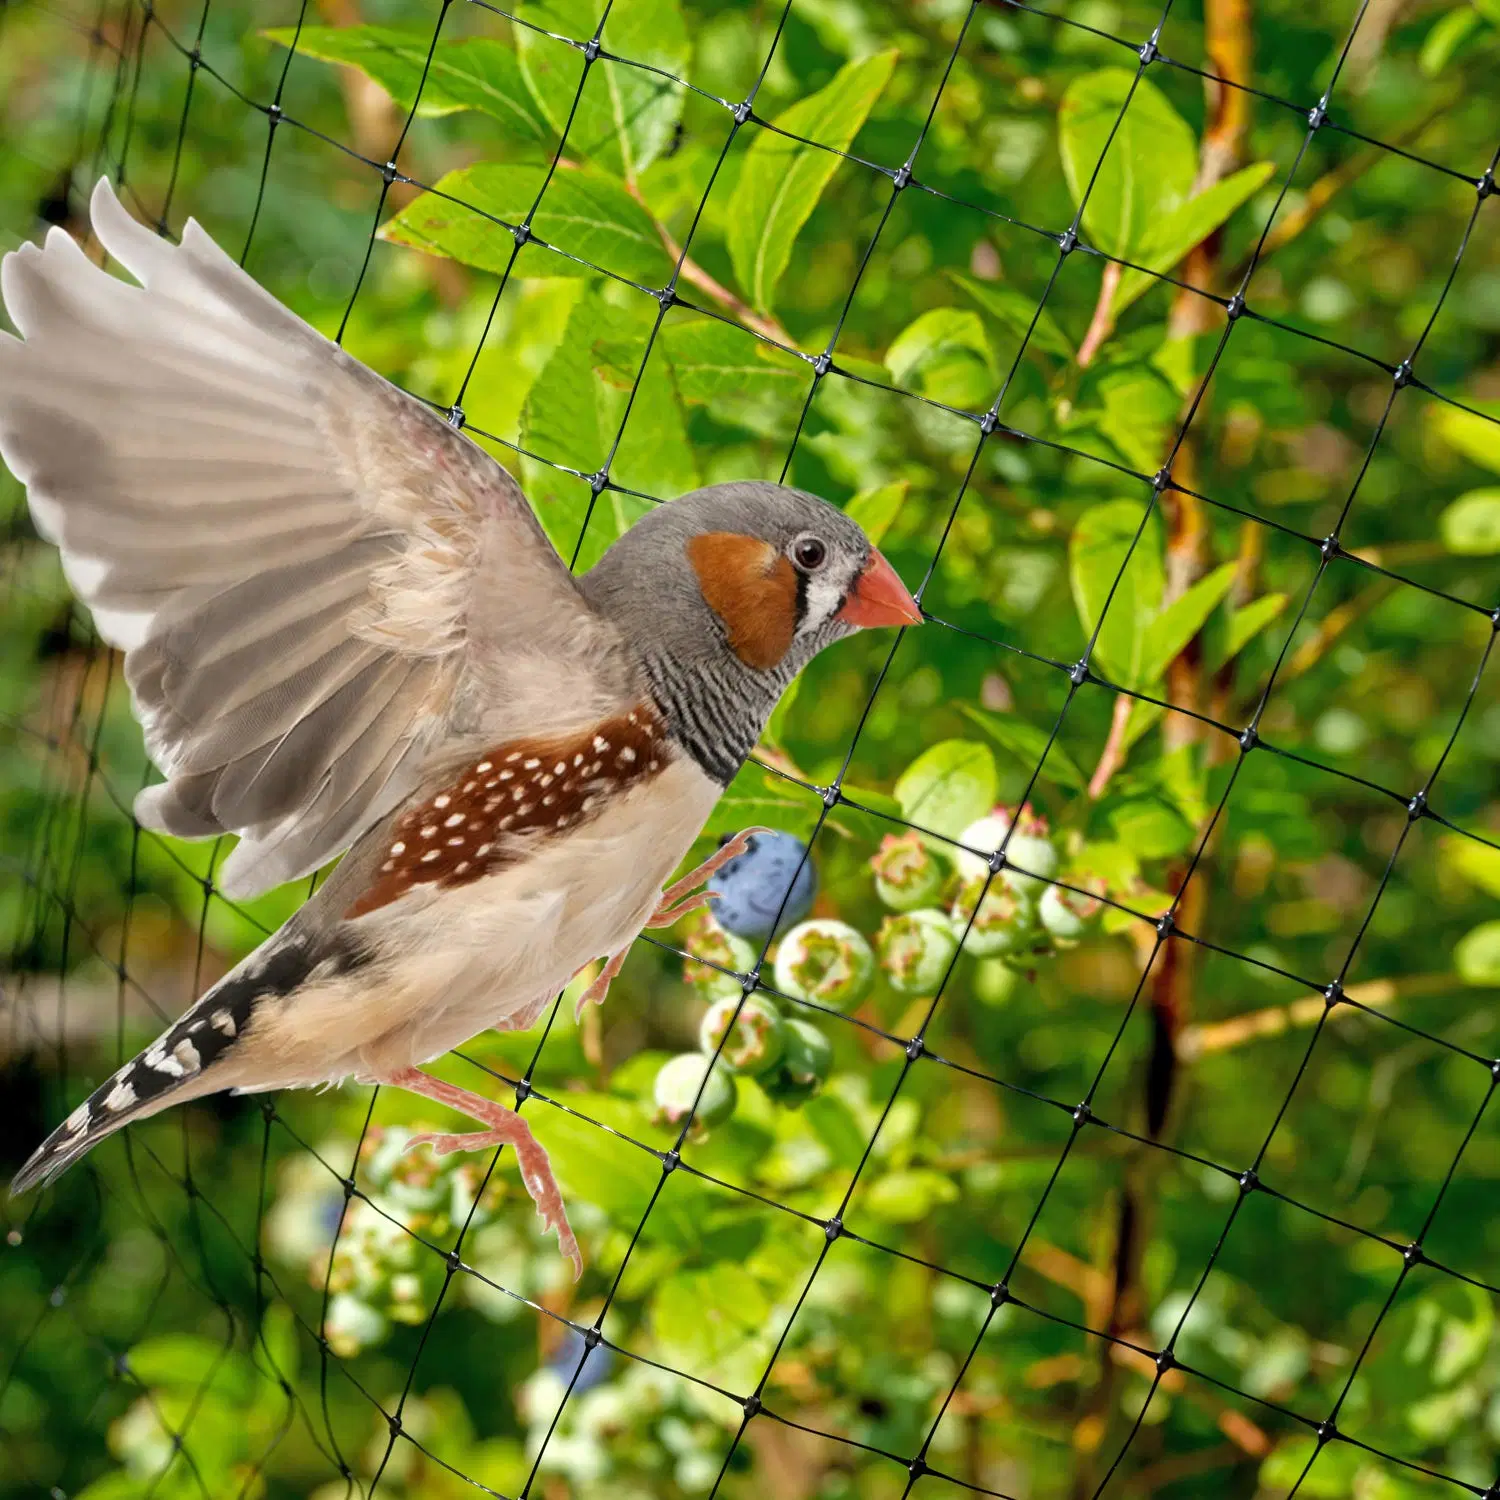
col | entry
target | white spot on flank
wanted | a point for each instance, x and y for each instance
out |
(600, 743)
(632, 718)
(514, 756)
(221, 1020)
(505, 823)
(559, 768)
(588, 802)
(387, 867)
(431, 855)
(398, 848)
(470, 785)
(442, 801)
(594, 769)
(532, 764)
(490, 785)
(578, 759)
(492, 804)
(562, 822)
(121, 1096)
(187, 1054)
(483, 766)
(518, 793)
(626, 757)
(77, 1120)
(523, 809)
(460, 867)
(506, 775)
(429, 830)
(456, 842)
(546, 781)
(484, 849)
(453, 820)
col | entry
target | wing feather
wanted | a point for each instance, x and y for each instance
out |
(316, 581)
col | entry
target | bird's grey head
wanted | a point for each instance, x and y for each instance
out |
(732, 590)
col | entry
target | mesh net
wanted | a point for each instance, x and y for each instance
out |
(1193, 1246)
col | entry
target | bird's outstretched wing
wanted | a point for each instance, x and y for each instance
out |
(315, 579)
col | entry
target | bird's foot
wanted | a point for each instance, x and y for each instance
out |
(595, 993)
(506, 1128)
(668, 911)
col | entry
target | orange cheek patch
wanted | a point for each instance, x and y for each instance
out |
(753, 590)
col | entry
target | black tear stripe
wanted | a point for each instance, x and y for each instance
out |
(204, 1035)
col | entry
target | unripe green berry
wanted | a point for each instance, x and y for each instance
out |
(756, 1041)
(1029, 849)
(1004, 922)
(1066, 914)
(995, 982)
(824, 961)
(809, 1054)
(677, 1086)
(907, 873)
(721, 950)
(916, 950)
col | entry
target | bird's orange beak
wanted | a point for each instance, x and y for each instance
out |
(879, 597)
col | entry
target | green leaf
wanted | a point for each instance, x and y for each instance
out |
(1014, 311)
(1477, 955)
(626, 116)
(875, 509)
(1150, 165)
(905, 1197)
(1165, 242)
(1471, 525)
(744, 381)
(948, 787)
(1181, 620)
(1027, 743)
(782, 180)
(1247, 622)
(475, 73)
(1150, 828)
(183, 1361)
(711, 1322)
(1447, 37)
(1476, 862)
(934, 336)
(1097, 551)
(834, 1124)
(1138, 404)
(1476, 437)
(583, 213)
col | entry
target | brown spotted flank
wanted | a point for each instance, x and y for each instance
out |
(475, 824)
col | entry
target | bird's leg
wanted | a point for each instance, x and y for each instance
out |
(506, 1128)
(694, 878)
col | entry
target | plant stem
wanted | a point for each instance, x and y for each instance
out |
(691, 271)
(1102, 324)
(1113, 754)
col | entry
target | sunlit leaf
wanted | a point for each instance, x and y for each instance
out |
(1103, 538)
(782, 180)
(948, 786)
(741, 380)
(476, 73)
(1168, 239)
(625, 116)
(1249, 620)
(1471, 525)
(1180, 621)
(1027, 743)
(1151, 161)
(584, 214)
(1476, 434)
(875, 509)
(1476, 956)
(1017, 313)
(940, 332)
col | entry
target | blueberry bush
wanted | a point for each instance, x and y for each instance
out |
(1084, 1089)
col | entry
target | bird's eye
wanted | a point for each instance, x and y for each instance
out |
(809, 553)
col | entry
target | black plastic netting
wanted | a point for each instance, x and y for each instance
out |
(151, 1195)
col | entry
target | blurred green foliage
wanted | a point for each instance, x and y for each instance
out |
(166, 1342)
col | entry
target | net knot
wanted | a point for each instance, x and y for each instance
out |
(917, 1467)
(1162, 479)
(1235, 307)
(1079, 673)
(1166, 1360)
(456, 417)
(523, 1090)
(752, 1405)
(901, 177)
(1485, 186)
(1249, 738)
(1317, 116)
(591, 49)
(1249, 1180)
(598, 481)
(1082, 1115)
(999, 1294)
(1147, 52)
(591, 1339)
(988, 423)
(1165, 926)
(671, 1160)
(667, 296)
(915, 1048)
(833, 1229)
(1413, 1255)
(822, 364)
(1401, 375)
(1067, 241)
(1326, 1432)
(1329, 548)
(389, 173)
(1333, 994)
(522, 232)
(1417, 807)
(743, 112)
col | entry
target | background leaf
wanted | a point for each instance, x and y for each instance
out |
(947, 787)
(781, 179)
(1150, 165)
(1101, 541)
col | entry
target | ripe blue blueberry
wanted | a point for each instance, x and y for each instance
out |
(748, 891)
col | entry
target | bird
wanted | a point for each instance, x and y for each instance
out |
(347, 636)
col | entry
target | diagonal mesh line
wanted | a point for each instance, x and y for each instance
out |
(835, 790)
